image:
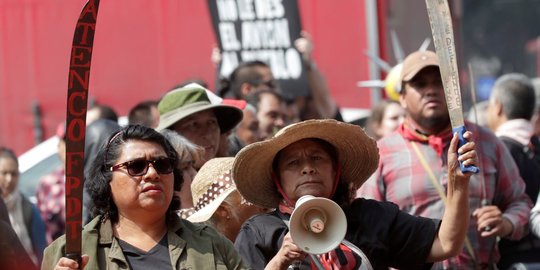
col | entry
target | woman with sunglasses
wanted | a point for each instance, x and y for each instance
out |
(132, 182)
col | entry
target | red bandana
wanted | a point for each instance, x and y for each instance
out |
(437, 141)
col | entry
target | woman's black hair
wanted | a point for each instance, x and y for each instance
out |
(100, 175)
(343, 194)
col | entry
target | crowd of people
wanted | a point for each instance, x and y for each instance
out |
(204, 179)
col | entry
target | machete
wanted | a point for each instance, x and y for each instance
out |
(443, 37)
(79, 76)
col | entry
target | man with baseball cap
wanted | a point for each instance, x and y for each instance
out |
(412, 171)
(193, 112)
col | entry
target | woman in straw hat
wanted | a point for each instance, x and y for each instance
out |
(132, 184)
(217, 201)
(331, 159)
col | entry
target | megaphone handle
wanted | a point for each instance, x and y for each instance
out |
(313, 257)
(316, 261)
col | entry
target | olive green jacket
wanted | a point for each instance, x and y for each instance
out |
(191, 246)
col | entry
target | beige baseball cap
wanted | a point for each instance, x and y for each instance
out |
(417, 61)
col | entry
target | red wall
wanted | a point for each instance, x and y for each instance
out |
(142, 49)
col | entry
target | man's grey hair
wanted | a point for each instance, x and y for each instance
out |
(516, 94)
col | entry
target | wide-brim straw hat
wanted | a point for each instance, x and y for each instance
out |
(252, 169)
(193, 98)
(211, 185)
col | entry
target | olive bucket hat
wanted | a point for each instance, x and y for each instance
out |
(193, 98)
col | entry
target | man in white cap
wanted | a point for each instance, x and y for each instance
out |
(413, 174)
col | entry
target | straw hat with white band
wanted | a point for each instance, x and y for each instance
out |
(212, 184)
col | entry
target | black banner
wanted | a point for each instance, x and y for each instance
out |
(261, 30)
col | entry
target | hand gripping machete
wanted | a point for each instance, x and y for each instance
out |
(79, 76)
(443, 37)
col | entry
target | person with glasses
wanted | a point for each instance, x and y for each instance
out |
(253, 76)
(132, 183)
(248, 78)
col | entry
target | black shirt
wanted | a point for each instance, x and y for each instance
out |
(386, 235)
(156, 258)
(527, 159)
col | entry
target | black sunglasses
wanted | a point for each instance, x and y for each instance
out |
(272, 84)
(139, 167)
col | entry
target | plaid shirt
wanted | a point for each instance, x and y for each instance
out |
(401, 178)
(51, 202)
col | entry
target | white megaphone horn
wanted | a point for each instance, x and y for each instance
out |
(317, 225)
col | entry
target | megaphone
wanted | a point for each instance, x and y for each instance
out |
(317, 225)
